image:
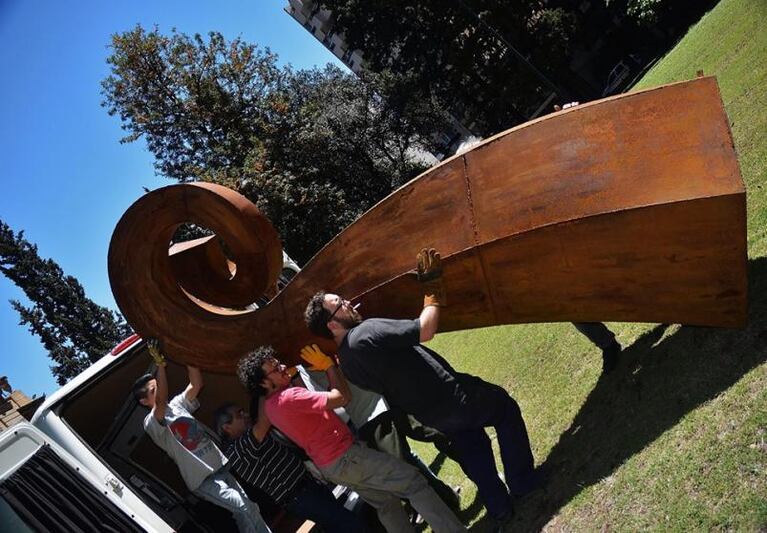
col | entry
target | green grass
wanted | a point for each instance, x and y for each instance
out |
(731, 43)
(676, 438)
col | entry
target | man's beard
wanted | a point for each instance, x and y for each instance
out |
(351, 321)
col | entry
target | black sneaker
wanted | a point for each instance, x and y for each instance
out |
(610, 357)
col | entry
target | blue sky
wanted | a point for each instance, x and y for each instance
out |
(65, 177)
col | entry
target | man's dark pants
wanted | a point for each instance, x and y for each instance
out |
(315, 502)
(489, 405)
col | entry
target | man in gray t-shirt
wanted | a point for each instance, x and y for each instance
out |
(173, 428)
(387, 356)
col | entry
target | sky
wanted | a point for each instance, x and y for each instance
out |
(65, 178)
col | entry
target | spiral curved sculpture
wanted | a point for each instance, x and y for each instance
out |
(630, 208)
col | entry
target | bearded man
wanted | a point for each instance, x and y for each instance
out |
(387, 356)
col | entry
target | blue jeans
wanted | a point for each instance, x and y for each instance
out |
(315, 502)
(223, 490)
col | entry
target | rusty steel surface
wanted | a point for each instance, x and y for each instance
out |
(630, 208)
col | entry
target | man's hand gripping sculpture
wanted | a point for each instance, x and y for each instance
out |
(429, 273)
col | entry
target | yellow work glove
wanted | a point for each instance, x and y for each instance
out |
(429, 270)
(316, 358)
(154, 352)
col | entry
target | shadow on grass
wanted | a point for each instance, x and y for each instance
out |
(657, 382)
(468, 512)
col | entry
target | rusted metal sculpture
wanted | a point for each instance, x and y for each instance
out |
(630, 208)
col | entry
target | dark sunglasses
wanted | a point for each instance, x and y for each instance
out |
(339, 306)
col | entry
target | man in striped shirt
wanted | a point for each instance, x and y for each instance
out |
(261, 460)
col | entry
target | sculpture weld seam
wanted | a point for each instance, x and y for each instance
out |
(469, 200)
(630, 208)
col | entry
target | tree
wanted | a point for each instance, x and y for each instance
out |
(494, 64)
(313, 149)
(644, 12)
(552, 30)
(470, 56)
(75, 330)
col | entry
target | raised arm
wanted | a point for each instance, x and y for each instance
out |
(262, 425)
(195, 383)
(339, 394)
(161, 378)
(429, 320)
(429, 269)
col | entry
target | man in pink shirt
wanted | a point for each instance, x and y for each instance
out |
(308, 419)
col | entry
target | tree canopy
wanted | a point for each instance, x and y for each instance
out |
(313, 149)
(75, 330)
(465, 54)
(494, 64)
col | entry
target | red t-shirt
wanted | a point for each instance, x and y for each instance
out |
(301, 415)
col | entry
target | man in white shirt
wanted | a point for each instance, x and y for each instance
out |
(172, 427)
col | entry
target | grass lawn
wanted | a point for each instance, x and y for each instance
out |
(676, 438)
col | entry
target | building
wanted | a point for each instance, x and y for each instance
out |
(15, 406)
(319, 22)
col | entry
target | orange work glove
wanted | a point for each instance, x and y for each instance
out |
(429, 270)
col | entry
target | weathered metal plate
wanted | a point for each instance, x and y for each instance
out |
(630, 208)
